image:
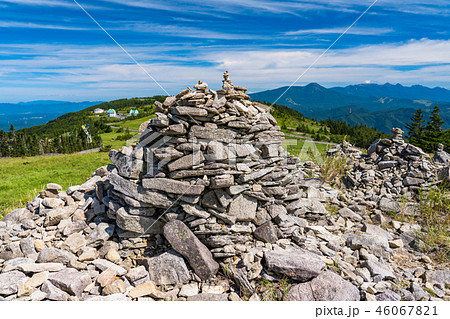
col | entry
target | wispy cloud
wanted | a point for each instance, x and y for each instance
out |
(31, 25)
(354, 30)
(181, 31)
(95, 69)
(43, 3)
(228, 6)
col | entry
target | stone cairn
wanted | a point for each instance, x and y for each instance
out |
(204, 207)
(391, 169)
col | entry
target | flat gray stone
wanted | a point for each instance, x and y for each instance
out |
(138, 224)
(389, 205)
(101, 234)
(40, 267)
(377, 268)
(301, 292)
(440, 277)
(70, 281)
(54, 186)
(56, 215)
(211, 133)
(12, 264)
(266, 232)
(186, 162)
(74, 227)
(376, 231)
(167, 269)
(104, 264)
(137, 273)
(189, 111)
(243, 208)
(127, 166)
(221, 181)
(388, 296)
(55, 255)
(255, 175)
(195, 210)
(53, 292)
(11, 251)
(307, 205)
(208, 297)
(171, 186)
(10, 281)
(365, 240)
(167, 153)
(348, 213)
(113, 297)
(328, 286)
(189, 246)
(298, 264)
(139, 193)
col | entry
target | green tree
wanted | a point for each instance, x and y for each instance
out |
(416, 128)
(12, 128)
(433, 132)
(435, 123)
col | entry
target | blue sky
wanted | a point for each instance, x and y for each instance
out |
(51, 50)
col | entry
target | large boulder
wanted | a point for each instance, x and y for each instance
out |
(167, 269)
(10, 281)
(70, 281)
(298, 264)
(189, 246)
(328, 286)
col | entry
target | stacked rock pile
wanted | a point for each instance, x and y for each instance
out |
(345, 149)
(391, 169)
(205, 207)
(212, 160)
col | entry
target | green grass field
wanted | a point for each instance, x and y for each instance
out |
(132, 124)
(21, 179)
(111, 140)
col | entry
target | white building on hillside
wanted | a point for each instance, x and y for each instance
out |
(99, 111)
(112, 113)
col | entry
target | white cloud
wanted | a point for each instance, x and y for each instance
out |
(44, 3)
(16, 24)
(354, 30)
(289, 7)
(180, 31)
(91, 72)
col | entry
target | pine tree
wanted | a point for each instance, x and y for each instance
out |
(416, 128)
(435, 123)
(433, 131)
(12, 128)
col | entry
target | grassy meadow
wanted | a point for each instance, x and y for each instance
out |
(21, 179)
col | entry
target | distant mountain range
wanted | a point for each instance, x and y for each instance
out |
(27, 114)
(380, 106)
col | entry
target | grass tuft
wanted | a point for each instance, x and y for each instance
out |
(275, 291)
(334, 169)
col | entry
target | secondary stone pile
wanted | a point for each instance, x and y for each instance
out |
(390, 170)
(205, 207)
(441, 156)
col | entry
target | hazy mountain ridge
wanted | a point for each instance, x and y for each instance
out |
(414, 92)
(27, 114)
(380, 106)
